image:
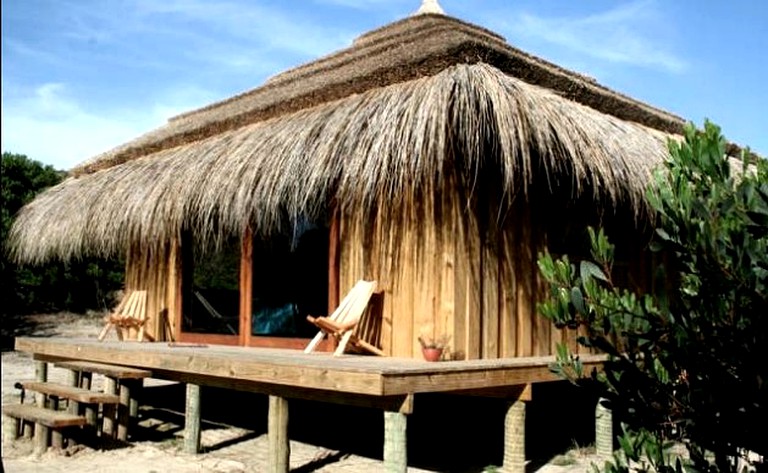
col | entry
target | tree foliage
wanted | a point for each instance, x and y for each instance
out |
(74, 285)
(689, 365)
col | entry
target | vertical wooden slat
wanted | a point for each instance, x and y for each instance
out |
(447, 313)
(542, 326)
(473, 291)
(490, 301)
(524, 286)
(246, 285)
(461, 275)
(423, 289)
(334, 262)
(403, 337)
(172, 293)
(507, 293)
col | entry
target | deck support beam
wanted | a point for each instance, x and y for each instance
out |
(395, 442)
(192, 420)
(514, 437)
(603, 430)
(277, 434)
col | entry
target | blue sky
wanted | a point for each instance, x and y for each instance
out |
(82, 76)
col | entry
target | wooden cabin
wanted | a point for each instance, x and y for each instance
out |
(430, 155)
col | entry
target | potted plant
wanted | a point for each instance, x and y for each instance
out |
(433, 348)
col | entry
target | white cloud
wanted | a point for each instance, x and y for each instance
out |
(252, 24)
(628, 34)
(48, 125)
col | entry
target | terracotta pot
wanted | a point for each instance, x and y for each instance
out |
(432, 354)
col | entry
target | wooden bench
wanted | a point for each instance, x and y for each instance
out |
(44, 420)
(122, 381)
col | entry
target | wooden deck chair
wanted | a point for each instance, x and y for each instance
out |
(131, 313)
(343, 322)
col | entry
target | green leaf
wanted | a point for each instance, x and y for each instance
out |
(590, 270)
(577, 299)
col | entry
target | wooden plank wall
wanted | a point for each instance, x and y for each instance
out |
(479, 292)
(481, 288)
(156, 271)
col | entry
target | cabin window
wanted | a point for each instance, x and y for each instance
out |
(290, 281)
(212, 288)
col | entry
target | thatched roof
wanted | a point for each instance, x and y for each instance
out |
(381, 124)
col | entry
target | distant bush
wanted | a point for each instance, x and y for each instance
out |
(76, 285)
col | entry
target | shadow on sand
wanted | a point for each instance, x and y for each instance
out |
(445, 433)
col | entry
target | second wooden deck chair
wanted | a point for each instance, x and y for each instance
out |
(131, 313)
(343, 322)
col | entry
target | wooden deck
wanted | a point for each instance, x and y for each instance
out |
(292, 373)
(386, 383)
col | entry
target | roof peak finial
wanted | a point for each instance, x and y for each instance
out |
(429, 6)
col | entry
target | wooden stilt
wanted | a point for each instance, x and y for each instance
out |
(123, 411)
(10, 428)
(92, 416)
(57, 439)
(74, 380)
(514, 438)
(279, 445)
(109, 430)
(42, 434)
(41, 375)
(603, 430)
(136, 387)
(395, 442)
(28, 429)
(192, 420)
(42, 438)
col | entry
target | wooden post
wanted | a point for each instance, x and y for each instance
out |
(192, 420)
(137, 386)
(110, 387)
(514, 438)
(123, 410)
(57, 439)
(86, 379)
(92, 416)
(395, 442)
(73, 376)
(603, 431)
(10, 428)
(41, 432)
(41, 375)
(277, 433)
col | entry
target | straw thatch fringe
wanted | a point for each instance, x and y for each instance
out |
(386, 154)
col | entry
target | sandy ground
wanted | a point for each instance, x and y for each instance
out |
(228, 448)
